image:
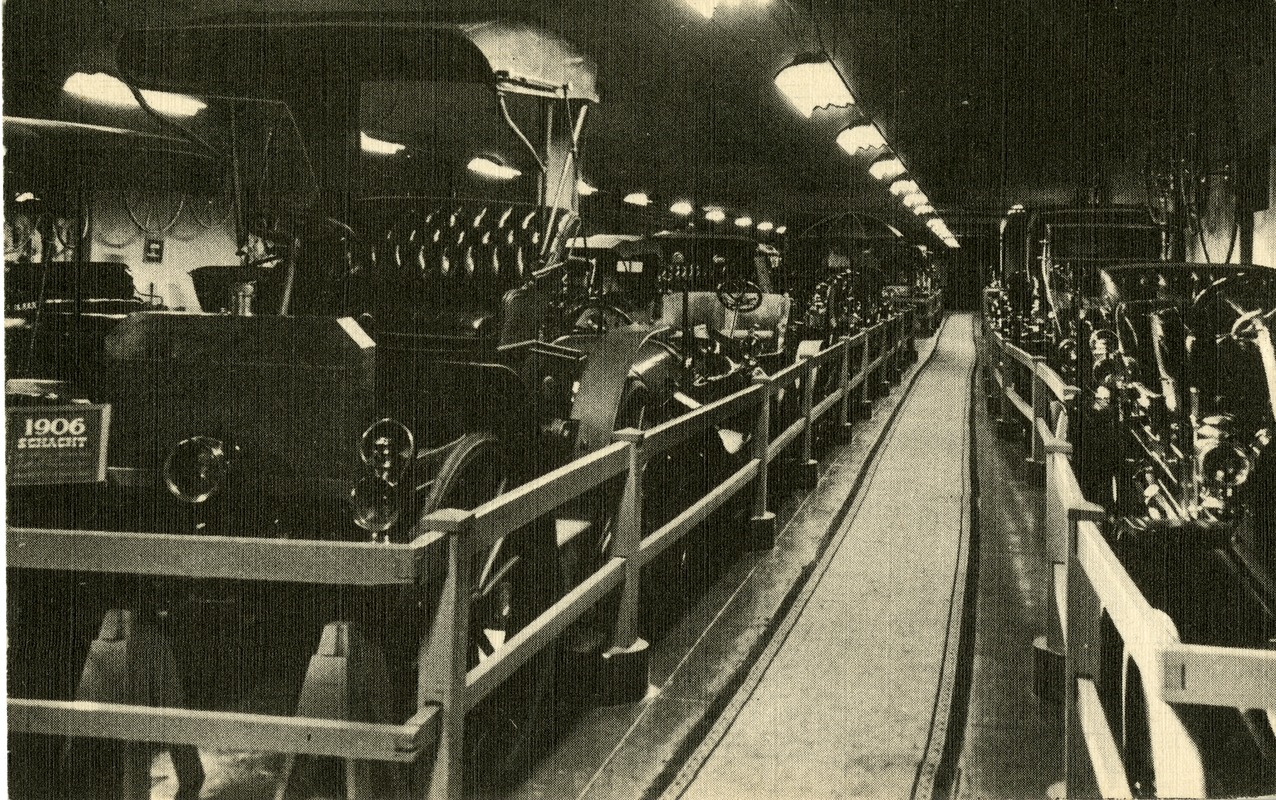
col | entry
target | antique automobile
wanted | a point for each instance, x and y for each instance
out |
(1175, 419)
(616, 280)
(1174, 426)
(357, 347)
(1049, 256)
(834, 272)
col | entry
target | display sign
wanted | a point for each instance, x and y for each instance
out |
(47, 445)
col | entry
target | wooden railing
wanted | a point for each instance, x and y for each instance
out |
(1093, 590)
(114, 704)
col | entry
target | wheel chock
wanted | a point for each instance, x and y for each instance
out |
(761, 535)
(1047, 672)
(625, 674)
(806, 475)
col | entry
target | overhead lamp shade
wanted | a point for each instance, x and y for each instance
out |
(584, 188)
(860, 139)
(914, 199)
(715, 215)
(765, 226)
(378, 147)
(682, 208)
(637, 199)
(901, 188)
(744, 222)
(1016, 208)
(886, 168)
(489, 167)
(924, 208)
(934, 223)
(705, 7)
(781, 230)
(952, 243)
(105, 90)
(812, 82)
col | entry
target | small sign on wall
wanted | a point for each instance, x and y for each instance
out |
(56, 444)
(153, 253)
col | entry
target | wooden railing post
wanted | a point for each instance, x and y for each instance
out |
(762, 523)
(808, 469)
(1082, 660)
(866, 390)
(625, 664)
(442, 663)
(1040, 411)
(844, 407)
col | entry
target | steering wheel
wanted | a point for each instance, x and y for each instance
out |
(740, 295)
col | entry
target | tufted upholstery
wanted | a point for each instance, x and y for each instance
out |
(458, 261)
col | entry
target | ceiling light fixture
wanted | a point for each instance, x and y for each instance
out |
(706, 7)
(886, 168)
(765, 226)
(859, 138)
(637, 199)
(913, 199)
(781, 230)
(715, 214)
(811, 81)
(682, 208)
(901, 188)
(489, 167)
(744, 222)
(380, 147)
(110, 91)
(584, 188)
(924, 208)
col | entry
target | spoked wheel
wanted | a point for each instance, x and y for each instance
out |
(512, 583)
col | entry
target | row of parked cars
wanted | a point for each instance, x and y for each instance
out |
(1171, 427)
(236, 309)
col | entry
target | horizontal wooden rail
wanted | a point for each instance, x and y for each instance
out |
(1218, 676)
(231, 557)
(784, 439)
(676, 431)
(657, 541)
(514, 509)
(536, 635)
(226, 730)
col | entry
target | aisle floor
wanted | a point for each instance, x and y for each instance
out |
(851, 699)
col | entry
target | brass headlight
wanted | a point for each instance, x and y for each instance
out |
(1225, 465)
(386, 448)
(196, 469)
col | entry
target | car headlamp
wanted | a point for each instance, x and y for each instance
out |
(1226, 464)
(376, 504)
(197, 468)
(387, 447)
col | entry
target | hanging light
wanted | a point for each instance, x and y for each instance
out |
(1017, 208)
(903, 187)
(924, 208)
(744, 222)
(706, 7)
(860, 138)
(491, 168)
(637, 199)
(106, 90)
(934, 223)
(380, 147)
(715, 214)
(765, 226)
(886, 168)
(913, 199)
(682, 208)
(781, 230)
(812, 82)
(584, 188)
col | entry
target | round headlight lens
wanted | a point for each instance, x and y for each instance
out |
(376, 504)
(387, 447)
(1226, 464)
(196, 469)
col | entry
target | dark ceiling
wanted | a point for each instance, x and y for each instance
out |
(989, 102)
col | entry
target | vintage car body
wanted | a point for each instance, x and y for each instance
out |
(370, 346)
(1175, 417)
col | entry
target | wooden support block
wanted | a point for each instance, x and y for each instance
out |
(1047, 672)
(844, 433)
(805, 475)
(761, 534)
(128, 663)
(625, 674)
(346, 679)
